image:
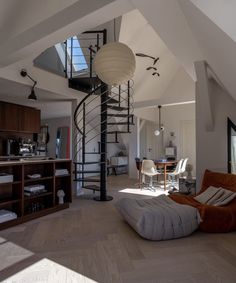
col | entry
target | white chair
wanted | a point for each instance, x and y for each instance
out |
(149, 169)
(183, 167)
(176, 172)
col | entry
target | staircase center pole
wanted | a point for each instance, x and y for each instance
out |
(103, 166)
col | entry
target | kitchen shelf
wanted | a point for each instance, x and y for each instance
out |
(61, 176)
(12, 193)
(8, 201)
(38, 195)
(38, 179)
(11, 183)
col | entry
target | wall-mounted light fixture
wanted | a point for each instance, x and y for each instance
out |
(32, 95)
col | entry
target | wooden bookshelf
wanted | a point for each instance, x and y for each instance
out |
(12, 195)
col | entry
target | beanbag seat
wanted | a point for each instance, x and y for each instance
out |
(159, 218)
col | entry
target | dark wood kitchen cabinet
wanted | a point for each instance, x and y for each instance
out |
(19, 118)
(29, 121)
(9, 119)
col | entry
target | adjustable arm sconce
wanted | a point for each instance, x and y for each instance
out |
(32, 95)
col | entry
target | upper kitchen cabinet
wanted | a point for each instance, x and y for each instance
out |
(19, 118)
(9, 118)
(29, 121)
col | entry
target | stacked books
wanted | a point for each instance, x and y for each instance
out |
(6, 215)
(34, 190)
(6, 178)
(61, 172)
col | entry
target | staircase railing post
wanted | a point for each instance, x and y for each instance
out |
(83, 143)
(119, 95)
(128, 122)
(71, 57)
(66, 58)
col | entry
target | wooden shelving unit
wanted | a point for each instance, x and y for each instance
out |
(12, 195)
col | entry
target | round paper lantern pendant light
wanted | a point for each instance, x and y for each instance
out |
(114, 63)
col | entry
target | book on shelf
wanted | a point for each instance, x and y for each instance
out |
(7, 215)
(6, 178)
(61, 172)
(29, 194)
(34, 188)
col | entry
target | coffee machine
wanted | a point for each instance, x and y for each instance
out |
(26, 147)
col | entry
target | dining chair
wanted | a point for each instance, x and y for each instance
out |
(176, 172)
(183, 167)
(138, 167)
(149, 169)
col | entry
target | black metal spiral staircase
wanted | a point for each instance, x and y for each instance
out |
(103, 114)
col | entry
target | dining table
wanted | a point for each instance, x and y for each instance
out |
(162, 163)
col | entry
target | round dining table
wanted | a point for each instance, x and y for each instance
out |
(165, 164)
(159, 163)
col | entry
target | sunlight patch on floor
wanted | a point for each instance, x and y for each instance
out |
(144, 191)
(47, 271)
(11, 253)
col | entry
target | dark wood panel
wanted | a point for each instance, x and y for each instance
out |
(19, 118)
(29, 120)
(9, 119)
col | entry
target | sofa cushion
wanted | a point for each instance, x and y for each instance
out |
(216, 179)
(216, 196)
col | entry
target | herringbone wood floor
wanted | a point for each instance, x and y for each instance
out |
(92, 239)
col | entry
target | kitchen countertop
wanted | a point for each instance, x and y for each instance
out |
(31, 161)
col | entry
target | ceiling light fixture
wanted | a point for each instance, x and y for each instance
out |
(160, 126)
(32, 95)
(114, 63)
(155, 59)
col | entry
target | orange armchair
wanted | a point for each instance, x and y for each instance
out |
(215, 219)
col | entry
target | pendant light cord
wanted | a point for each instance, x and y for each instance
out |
(114, 30)
(159, 107)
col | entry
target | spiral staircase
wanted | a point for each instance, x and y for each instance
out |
(102, 115)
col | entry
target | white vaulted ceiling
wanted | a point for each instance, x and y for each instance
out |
(137, 33)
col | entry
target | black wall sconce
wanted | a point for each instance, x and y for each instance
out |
(32, 95)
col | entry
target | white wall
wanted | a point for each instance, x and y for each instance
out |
(212, 145)
(221, 12)
(133, 150)
(172, 117)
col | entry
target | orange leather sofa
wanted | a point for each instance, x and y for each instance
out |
(215, 219)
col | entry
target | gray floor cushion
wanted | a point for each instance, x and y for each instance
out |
(159, 218)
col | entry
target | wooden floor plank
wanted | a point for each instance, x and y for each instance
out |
(92, 239)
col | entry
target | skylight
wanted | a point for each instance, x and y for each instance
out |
(78, 58)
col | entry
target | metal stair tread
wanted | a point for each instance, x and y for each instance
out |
(89, 162)
(116, 108)
(84, 84)
(118, 132)
(92, 187)
(87, 180)
(120, 123)
(111, 100)
(87, 171)
(120, 115)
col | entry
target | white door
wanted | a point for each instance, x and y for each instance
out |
(188, 141)
(152, 141)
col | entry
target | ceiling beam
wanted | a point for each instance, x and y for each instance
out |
(74, 19)
(203, 95)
